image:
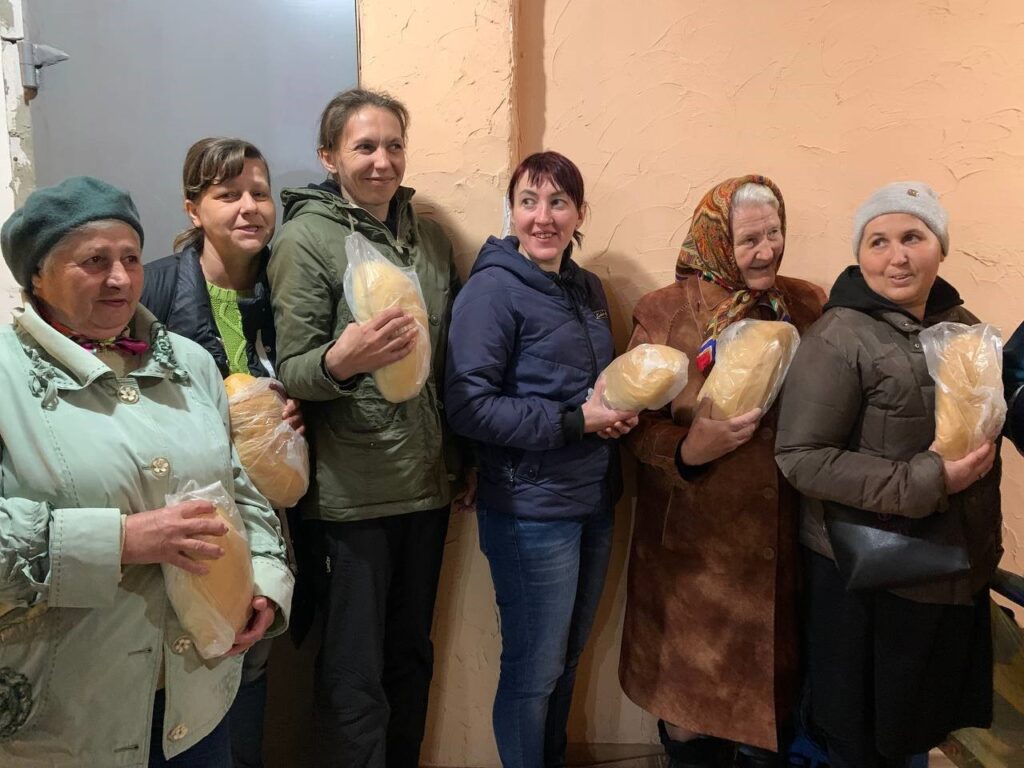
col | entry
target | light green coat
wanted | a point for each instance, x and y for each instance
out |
(81, 649)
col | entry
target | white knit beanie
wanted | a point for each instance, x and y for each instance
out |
(913, 197)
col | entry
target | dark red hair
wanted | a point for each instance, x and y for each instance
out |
(555, 168)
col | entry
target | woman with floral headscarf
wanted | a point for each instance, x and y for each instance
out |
(710, 634)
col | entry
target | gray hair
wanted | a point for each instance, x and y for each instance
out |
(754, 194)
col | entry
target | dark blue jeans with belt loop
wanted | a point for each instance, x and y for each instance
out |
(548, 576)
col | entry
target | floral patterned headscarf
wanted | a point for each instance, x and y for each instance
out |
(708, 251)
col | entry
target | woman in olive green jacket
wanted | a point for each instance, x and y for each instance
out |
(105, 413)
(377, 509)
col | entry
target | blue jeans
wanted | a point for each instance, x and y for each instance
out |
(213, 751)
(548, 576)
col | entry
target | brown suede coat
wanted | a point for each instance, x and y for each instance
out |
(710, 636)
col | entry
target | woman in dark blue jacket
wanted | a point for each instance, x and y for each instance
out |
(529, 337)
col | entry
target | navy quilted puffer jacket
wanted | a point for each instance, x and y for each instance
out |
(525, 346)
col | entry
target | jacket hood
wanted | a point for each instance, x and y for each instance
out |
(325, 199)
(503, 253)
(852, 292)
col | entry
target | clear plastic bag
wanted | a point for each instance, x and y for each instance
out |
(215, 606)
(966, 362)
(274, 455)
(373, 284)
(752, 358)
(647, 377)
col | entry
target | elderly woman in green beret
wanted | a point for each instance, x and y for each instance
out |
(105, 413)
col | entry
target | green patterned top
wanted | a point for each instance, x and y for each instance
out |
(228, 317)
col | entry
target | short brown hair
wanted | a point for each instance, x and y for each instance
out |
(212, 161)
(339, 109)
(557, 169)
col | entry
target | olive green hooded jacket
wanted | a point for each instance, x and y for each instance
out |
(373, 458)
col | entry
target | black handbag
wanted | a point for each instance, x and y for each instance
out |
(875, 551)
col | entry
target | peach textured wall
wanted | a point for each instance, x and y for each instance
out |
(656, 102)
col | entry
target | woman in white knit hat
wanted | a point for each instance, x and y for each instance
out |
(894, 664)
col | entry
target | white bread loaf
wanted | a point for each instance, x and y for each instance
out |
(647, 377)
(378, 285)
(215, 606)
(969, 376)
(274, 455)
(751, 361)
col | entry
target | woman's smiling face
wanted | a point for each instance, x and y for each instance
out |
(899, 257)
(544, 219)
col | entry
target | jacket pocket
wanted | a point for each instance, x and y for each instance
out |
(28, 649)
(363, 414)
(529, 466)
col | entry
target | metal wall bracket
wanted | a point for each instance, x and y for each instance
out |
(33, 57)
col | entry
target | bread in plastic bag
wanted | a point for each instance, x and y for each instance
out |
(647, 377)
(215, 606)
(966, 362)
(752, 358)
(373, 284)
(274, 455)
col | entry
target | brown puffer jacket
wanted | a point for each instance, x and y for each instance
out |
(856, 421)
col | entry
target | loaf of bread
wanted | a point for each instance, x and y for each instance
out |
(647, 377)
(377, 284)
(273, 454)
(966, 363)
(751, 361)
(214, 607)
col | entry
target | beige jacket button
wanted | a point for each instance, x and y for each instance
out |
(160, 466)
(178, 732)
(182, 644)
(767, 433)
(768, 553)
(126, 393)
(768, 493)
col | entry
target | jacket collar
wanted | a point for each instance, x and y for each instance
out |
(852, 292)
(325, 198)
(67, 366)
(503, 253)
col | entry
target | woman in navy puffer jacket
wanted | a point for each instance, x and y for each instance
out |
(529, 337)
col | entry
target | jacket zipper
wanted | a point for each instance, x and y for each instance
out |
(586, 334)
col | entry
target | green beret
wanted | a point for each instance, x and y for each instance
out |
(51, 212)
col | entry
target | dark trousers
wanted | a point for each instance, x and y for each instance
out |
(247, 712)
(376, 584)
(213, 751)
(889, 677)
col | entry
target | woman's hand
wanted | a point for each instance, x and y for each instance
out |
(618, 429)
(260, 619)
(292, 412)
(465, 500)
(597, 417)
(708, 439)
(365, 347)
(174, 535)
(963, 473)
